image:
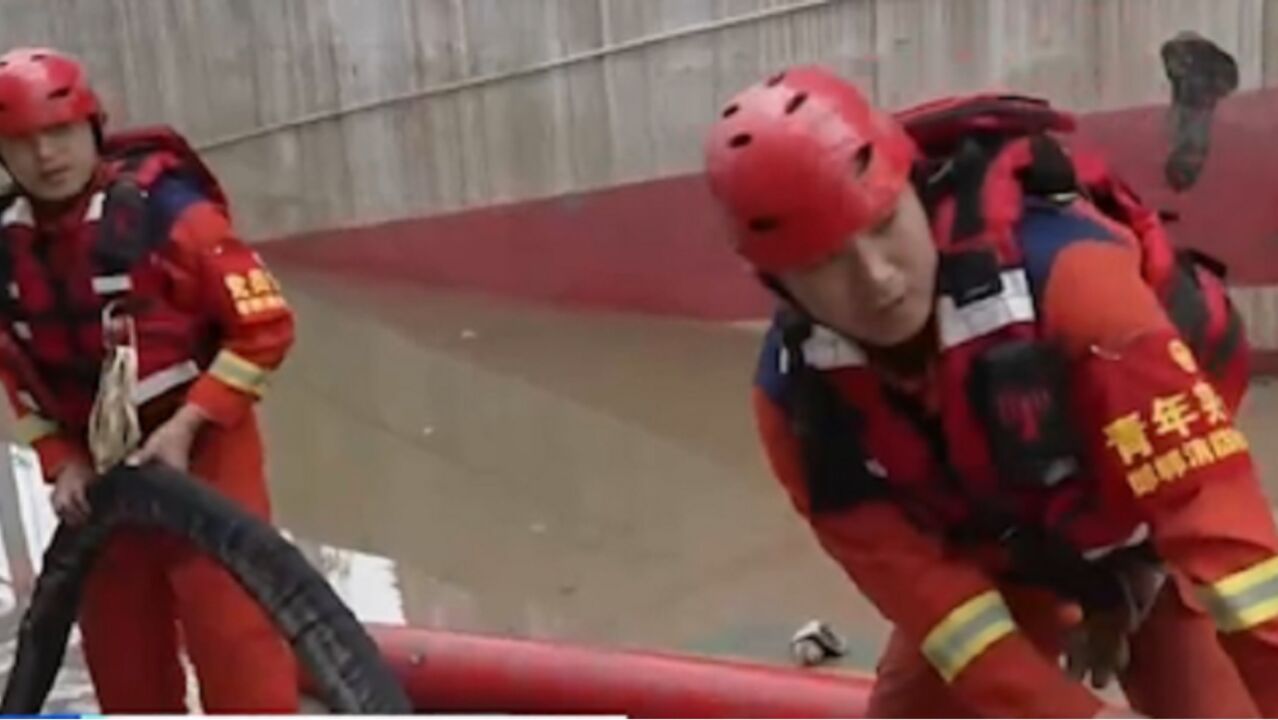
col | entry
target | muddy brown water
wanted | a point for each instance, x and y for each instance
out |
(551, 473)
(558, 474)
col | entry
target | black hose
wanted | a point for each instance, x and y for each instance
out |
(346, 666)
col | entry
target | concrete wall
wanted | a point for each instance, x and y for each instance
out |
(496, 124)
(324, 116)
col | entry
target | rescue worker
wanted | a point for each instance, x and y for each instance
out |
(1003, 405)
(137, 326)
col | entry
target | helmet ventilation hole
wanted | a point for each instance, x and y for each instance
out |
(795, 103)
(739, 141)
(39, 57)
(60, 93)
(776, 79)
(861, 159)
(763, 224)
(731, 110)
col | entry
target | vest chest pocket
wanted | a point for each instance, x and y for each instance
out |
(1019, 390)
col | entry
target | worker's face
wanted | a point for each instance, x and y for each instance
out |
(880, 289)
(52, 164)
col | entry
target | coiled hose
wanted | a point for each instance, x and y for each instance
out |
(347, 669)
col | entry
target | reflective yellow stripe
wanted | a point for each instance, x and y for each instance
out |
(239, 373)
(966, 632)
(31, 428)
(1245, 599)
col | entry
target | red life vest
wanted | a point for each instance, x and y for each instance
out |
(999, 454)
(56, 282)
(1029, 136)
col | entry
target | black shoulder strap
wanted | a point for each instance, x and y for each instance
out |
(971, 163)
(1049, 175)
(827, 428)
(126, 232)
(7, 305)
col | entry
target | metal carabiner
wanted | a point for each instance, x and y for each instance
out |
(117, 324)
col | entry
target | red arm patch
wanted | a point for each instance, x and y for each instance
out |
(1158, 425)
(226, 281)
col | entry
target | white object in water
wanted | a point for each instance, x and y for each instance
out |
(816, 643)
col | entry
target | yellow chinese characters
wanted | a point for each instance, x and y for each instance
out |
(254, 292)
(1171, 465)
(1172, 415)
(1198, 453)
(1210, 402)
(1127, 436)
(1191, 422)
(1182, 356)
(1226, 442)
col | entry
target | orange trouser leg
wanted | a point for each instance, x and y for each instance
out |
(1257, 657)
(127, 620)
(908, 686)
(1225, 527)
(1178, 667)
(242, 662)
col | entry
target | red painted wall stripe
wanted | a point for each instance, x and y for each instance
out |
(650, 247)
(657, 247)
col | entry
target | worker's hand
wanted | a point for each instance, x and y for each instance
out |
(1098, 647)
(70, 487)
(171, 442)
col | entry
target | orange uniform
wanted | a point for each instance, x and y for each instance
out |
(1161, 443)
(212, 326)
(1058, 432)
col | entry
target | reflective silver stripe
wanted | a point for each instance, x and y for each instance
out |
(28, 400)
(826, 350)
(162, 381)
(31, 428)
(1013, 305)
(14, 292)
(107, 284)
(1245, 599)
(966, 632)
(239, 373)
(22, 330)
(94, 212)
(19, 213)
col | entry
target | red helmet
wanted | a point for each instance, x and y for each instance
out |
(40, 88)
(801, 162)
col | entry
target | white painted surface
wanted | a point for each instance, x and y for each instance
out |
(1258, 306)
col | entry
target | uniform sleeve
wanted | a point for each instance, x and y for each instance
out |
(33, 424)
(217, 275)
(1161, 439)
(950, 608)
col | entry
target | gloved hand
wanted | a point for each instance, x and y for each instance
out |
(1099, 645)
